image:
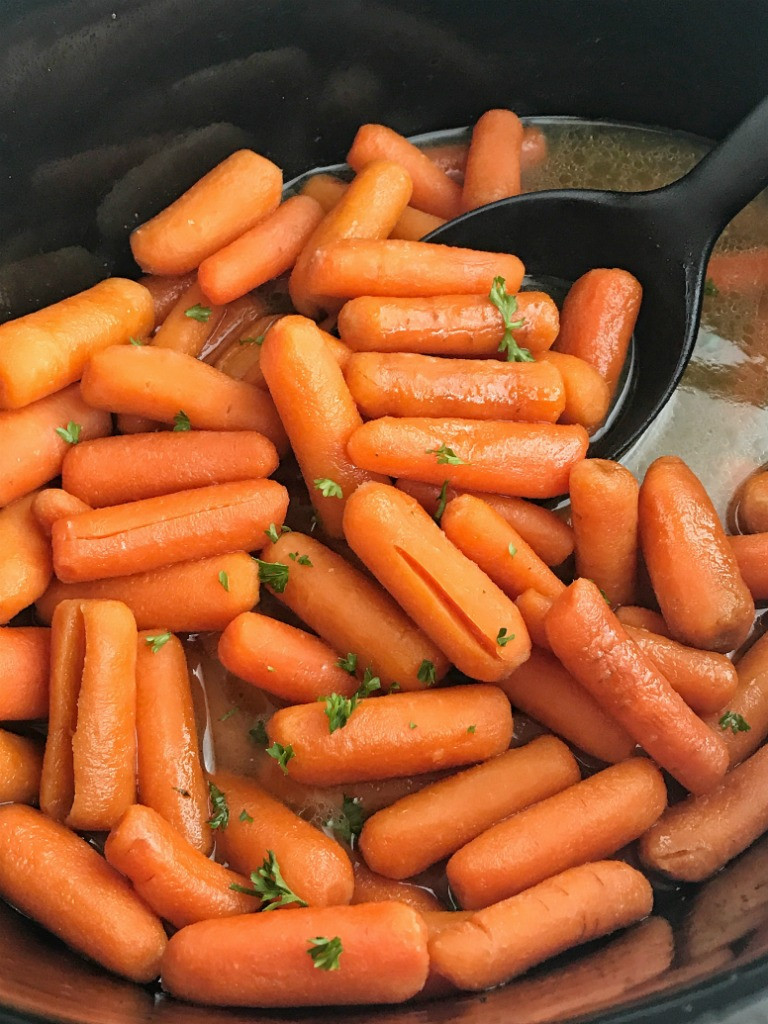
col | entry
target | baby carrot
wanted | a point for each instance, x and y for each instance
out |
(25, 558)
(43, 352)
(504, 940)
(534, 607)
(25, 654)
(21, 761)
(53, 504)
(165, 292)
(374, 888)
(523, 460)
(423, 828)
(397, 735)
(34, 440)
(269, 249)
(587, 396)
(598, 318)
(189, 324)
(747, 707)
(351, 612)
(413, 224)
(445, 593)
(259, 827)
(142, 535)
(293, 665)
(753, 504)
(218, 208)
(238, 321)
(433, 190)
(642, 618)
(493, 161)
(694, 572)
(171, 875)
(187, 597)
(318, 413)
(272, 959)
(406, 384)
(593, 645)
(60, 880)
(114, 470)
(751, 554)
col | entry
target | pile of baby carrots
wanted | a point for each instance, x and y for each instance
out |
(426, 400)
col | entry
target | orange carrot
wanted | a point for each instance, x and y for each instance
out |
(397, 735)
(446, 594)
(238, 321)
(189, 324)
(405, 384)
(59, 880)
(115, 470)
(353, 614)
(446, 325)
(749, 702)
(171, 875)
(266, 959)
(242, 359)
(744, 272)
(25, 558)
(452, 157)
(534, 607)
(587, 396)
(433, 191)
(642, 618)
(493, 161)
(413, 224)
(751, 554)
(165, 292)
(25, 654)
(423, 828)
(598, 319)
(142, 535)
(218, 208)
(373, 888)
(21, 761)
(523, 460)
(318, 413)
(43, 352)
(269, 249)
(753, 504)
(53, 504)
(593, 645)
(31, 447)
(694, 572)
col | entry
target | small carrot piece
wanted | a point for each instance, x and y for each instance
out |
(753, 504)
(25, 654)
(587, 396)
(53, 504)
(189, 324)
(694, 572)
(749, 702)
(21, 762)
(493, 162)
(744, 272)
(114, 470)
(642, 618)
(43, 352)
(751, 554)
(371, 887)
(522, 460)
(534, 607)
(165, 292)
(420, 829)
(238, 321)
(25, 558)
(218, 208)
(447, 595)
(60, 880)
(593, 645)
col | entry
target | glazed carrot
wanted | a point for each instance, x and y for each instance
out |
(446, 325)
(374, 888)
(523, 460)
(547, 534)
(173, 877)
(433, 190)
(751, 554)
(397, 735)
(242, 359)
(264, 959)
(32, 450)
(318, 413)
(170, 775)
(293, 665)
(314, 866)
(353, 614)
(218, 208)
(114, 470)
(642, 618)
(60, 880)
(593, 645)
(587, 396)
(423, 828)
(744, 272)
(53, 504)
(190, 323)
(123, 540)
(25, 653)
(542, 688)
(694, 572)
(356, 266)
(43, 352)
(186, 597)
(238, 321)
(406, 384)
(269, 249)
(749, 701)
(21, 761)
(165, 292)
(493, 162)
(753, 504)
(161, 384)
(25, 558)
(445, 593)
(507, 938)
(598, 319)
(369, 208)
(534, 607)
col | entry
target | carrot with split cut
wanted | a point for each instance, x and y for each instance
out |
(456, 604)
(522, 460)
(593, 645)
(25, 654)
(43, 352)
(165, 292)
(371, 887)
(642, 618)
(492, 170)
(751, 554)
(413, 224)
(21, 761)
(587, 396)
(53, 504)
(748, 702)
(190, 323)
(223, 204)
(534, 607)
(753, 504)
(114, 470)
(25, 558)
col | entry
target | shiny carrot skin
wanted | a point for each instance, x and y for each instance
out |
(492, 170)
(753, 504)
(52, 504)
(751, 554)
(750, 700)
(413, 224)
(25, 653)
(165, 292)
(587, 396)
(21, 762)
(642, 618)
(25, 558)
(184, 333)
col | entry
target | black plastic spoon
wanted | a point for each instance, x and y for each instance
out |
(664, 237)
